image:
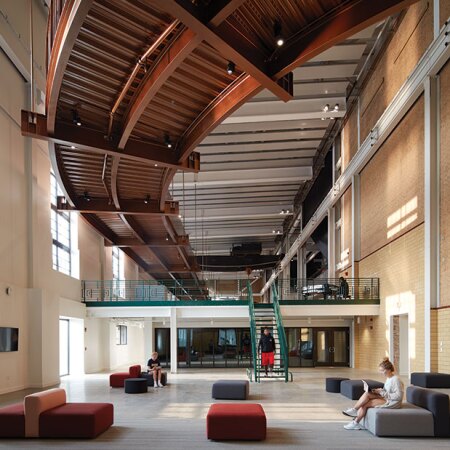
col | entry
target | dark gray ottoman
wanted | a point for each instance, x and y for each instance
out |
(231, 389)
(149, 378)
(334, 384)
(353, 389)
(135, 385)
(430, 379)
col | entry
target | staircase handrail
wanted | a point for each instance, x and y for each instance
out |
(281, 333)
(251, 308)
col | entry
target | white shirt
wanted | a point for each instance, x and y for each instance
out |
(392, 392)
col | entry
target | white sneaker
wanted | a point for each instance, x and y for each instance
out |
(353, 426)
(160, 385)
(155, 384)
(351, 412)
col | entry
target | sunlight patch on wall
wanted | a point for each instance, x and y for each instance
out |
(401, 218)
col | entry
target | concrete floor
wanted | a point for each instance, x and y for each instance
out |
(301, 415)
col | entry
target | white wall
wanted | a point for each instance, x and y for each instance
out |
(126, 355)
(39, 295)
(97, 345)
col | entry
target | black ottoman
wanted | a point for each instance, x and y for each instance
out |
(334, 384)
(353, 389)
(135, 385)
(149, 378)
(230, 389)
(430, 379)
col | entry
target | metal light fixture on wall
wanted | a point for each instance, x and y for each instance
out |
(231, 67)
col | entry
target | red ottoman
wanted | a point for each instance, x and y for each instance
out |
(118, 379)
(236, 421)
(12, 421)
(76, 420)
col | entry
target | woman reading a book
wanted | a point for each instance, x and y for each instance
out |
(154, 367)
(390, 396)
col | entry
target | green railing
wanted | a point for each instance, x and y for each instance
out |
(253, 335)
(284, 354)
(163, 290)
(364, 290)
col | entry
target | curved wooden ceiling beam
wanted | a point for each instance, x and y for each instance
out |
(229, 42)
(67, 135)
(166, 66)
(225, 104)
(352, 18)
(73, 15)
(242, 89)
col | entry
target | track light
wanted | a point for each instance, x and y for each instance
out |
(231, 68)
(76, 118)
(180, 216)
(278, 34)
(336, 107)
(326, 108)
(86, 196)
(167, 237)
(167, 141)
(147, 199)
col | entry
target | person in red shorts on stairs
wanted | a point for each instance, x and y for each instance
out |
(267, 347)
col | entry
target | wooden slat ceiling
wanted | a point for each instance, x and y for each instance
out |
(180, 91)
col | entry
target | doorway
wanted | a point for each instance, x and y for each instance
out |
(400, 343)
(64, 352)
(332, 346)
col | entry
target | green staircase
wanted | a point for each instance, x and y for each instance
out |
(268, 315)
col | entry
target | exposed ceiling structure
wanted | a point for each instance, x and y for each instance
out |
(138, 91)
(255, 161)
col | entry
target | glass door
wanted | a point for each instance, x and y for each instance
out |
(331, 347)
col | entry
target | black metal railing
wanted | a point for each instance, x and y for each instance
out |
(348, 289)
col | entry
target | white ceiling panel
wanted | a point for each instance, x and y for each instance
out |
(264, 137)
(265, 126)
(241, 177)
(259, 164)
(268, 146)
(324, 72)
(305, 153)
(341, 52)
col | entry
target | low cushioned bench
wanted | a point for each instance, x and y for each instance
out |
(430, 379)
(353, 389)
(334, 384)
(46, 414)
(118, 379)
(425, 414)
(149, 378)
(230, 389)
(12, 421)
(135, 385)
(236, 421)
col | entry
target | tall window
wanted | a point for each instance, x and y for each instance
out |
(118, 270)
(61, 232)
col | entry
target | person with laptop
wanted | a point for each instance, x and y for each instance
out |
(390, 396)
(154, 367)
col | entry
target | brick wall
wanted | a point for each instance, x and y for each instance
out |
(408, 44)
(441, 349)
(400, 267)
(444, 78)
(392, 184)
(349, 138)
(345, 257)
(444, 10)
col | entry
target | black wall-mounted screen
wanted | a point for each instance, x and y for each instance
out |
(9, 339)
